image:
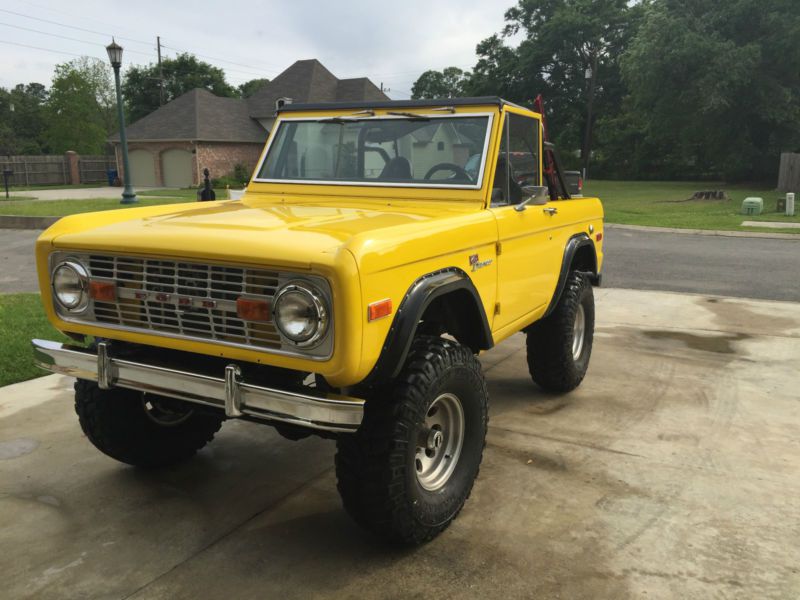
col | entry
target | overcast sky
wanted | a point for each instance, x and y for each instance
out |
(389, 42)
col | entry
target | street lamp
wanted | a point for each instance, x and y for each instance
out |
(591, 77)
(115, 56)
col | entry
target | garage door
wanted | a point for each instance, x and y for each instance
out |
(176, 167)
(143, 168)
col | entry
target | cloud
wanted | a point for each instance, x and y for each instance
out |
(392, 42)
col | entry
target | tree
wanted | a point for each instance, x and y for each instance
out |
(8, 142)
(181, 74)
(715, 87)
(562, 40)
(498, 73)
(80, 107)
(248, 88)
(22, 119)
(447, 83)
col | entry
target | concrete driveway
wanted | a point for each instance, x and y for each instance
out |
(671, 473)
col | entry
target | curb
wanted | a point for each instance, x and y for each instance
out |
(711, 232)
(22, 222)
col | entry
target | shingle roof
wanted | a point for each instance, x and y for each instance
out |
(198, 115)
(359, 88)
(310, 81)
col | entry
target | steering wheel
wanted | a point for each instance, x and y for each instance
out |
(445, 166)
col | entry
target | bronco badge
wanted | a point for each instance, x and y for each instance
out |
(476, 264)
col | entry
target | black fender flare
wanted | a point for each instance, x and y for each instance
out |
(574, 243)
(419, 296)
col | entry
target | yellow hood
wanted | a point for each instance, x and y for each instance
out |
(267, 230)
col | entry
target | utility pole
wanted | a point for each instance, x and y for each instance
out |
(160, 74)
(587, 139)
(383, 89)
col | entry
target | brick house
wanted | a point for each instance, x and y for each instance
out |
(171, 146)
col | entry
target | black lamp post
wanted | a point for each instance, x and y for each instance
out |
(591, 77)
(115, 56)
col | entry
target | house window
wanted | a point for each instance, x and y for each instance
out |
(440, 146)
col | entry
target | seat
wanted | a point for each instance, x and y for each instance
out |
(398, 168)
(515, 190)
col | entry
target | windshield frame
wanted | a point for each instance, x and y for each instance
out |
(438, 116)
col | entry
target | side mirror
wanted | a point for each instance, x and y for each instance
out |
(535, 195)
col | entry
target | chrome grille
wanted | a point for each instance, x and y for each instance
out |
(185, 298)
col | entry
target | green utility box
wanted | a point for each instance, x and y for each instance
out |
(753, 206)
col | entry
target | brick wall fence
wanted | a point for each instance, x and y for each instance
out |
(220, 158)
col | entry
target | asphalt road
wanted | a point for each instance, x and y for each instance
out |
(762, 268)
(17, 263)
(743, 267)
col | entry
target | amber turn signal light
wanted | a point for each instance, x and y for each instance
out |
(379, 309)
(599, 237)
(250, 309)
(104, 291)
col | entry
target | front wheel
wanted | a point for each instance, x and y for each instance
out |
(560, 345)
(409, 469)
(141, 429)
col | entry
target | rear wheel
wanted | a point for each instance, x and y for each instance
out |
(560, 345)
(409, 469)
(141, 429)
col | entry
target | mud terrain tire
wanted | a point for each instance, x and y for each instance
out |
(117, 422)
(557, 359)
(394, 479)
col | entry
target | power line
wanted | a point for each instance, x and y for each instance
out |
(68, 14)
(226, 69)
(271, 70)
(63, 37)
(47, 49)
(103, 33)
(259, 74)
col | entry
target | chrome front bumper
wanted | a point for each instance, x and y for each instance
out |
(329, 412)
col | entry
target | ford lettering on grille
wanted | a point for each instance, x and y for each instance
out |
(185, 298)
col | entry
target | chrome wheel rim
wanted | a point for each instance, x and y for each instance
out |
(578, 332)
(162, 414)
(439, 442)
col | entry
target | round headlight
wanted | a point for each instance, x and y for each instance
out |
(70, 282)
(300, 314)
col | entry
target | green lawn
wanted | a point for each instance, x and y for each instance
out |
(663, 204)
(30, 188)
(60, 208)
(21, 319)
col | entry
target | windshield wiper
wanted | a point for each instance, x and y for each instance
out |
(339, 120)
(410, 116)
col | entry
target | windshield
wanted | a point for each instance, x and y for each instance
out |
(411, 150)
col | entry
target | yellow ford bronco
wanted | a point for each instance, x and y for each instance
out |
(378, 249)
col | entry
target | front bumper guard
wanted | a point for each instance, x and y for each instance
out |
(329, 412)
